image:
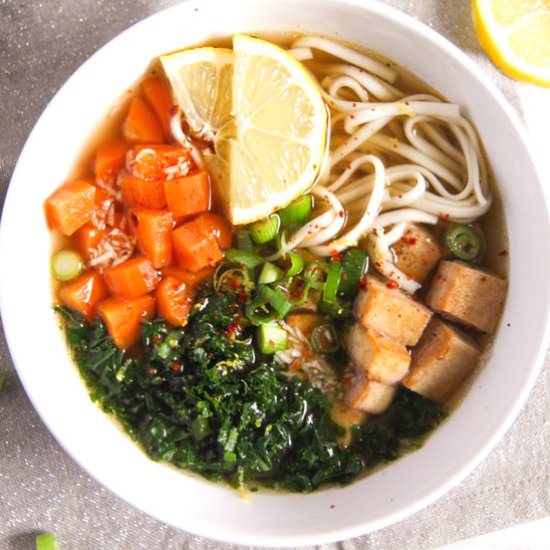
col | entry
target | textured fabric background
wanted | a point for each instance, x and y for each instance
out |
(42, 489)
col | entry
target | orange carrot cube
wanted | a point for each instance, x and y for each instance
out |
(123, 317)
(132, 278)
(70, 206)
(84, 293)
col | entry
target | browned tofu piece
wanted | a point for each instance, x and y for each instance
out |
(391, 312)
(367, 395)
(346, 417)
(380, 358)
(467, 295)
(441, 361)
(304, 321)
(417, 253)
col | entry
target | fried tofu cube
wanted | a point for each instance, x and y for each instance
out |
(347, 418)
(391, 312)
(441, 361)
(380, 358)
(468, 295)
(367, 395)
(417, 253)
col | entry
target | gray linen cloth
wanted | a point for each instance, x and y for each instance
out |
(42, 489)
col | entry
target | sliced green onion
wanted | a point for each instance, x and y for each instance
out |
(67, 265)
(270, 274)
(243, 257)
(463, 242)
(277, 300)
(260, 314)
(47, 541)
(280, 243)
(315, 275)
(324, 339)
(296, 264)
(334, 275)
(334, 309)
(355, 264)
(243, 240)
(265, 230)
(297, 212)
(271, 338)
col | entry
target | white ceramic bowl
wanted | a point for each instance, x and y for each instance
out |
(57, 392)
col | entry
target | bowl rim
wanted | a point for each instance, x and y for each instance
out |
(437, 41)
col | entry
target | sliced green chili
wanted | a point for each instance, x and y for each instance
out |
(324, 339)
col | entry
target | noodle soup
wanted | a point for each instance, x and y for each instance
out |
(284, 263)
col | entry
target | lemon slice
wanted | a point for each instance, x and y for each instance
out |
(516, 36)
(201, 79)
(269, 128)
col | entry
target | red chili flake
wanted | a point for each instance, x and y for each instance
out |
(411, 240)
(392, 284)
(306, 354)
(483, 279)
(363, 283)
(407, 103)
(175, 366)
(333, 252)
(352, 116)
(152, 372)
(354, 104)
(173, 111)
(344, 275)
(341, 213)
(271, 344)
(297, 365)
(348, 167)
(234, 328)
(503, 252)
(391, 274)
(157, 340)
(444, 216)
(337, 257)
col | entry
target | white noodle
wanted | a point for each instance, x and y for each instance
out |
(443, 172)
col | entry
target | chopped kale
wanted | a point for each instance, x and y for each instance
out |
(201, 398)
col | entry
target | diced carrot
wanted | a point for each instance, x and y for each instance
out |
(158, 94)
(88, 237)
(192, 278)
(195, 248)
(70, 206)
(159, 162)
(109, 160)
(218, 226)
(84, 294)
(132, 278)
(174, 301)
(123, 317)
(154, 235)
(188, 195)
(142, 124)
(138, 192)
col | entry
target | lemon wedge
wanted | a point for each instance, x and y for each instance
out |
(268, 122)
(201, 80)
(516, 36)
